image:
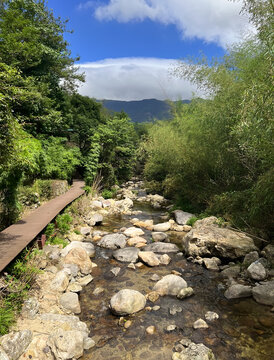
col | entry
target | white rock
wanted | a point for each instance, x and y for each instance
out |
(149, 258)
(66, 345)
(70, 302)
(60, 281)
(170, 285)
(15, 343)
(113, 241)
(211, 316)
(162, 227)
(256, 271)
(133, 232)
(127, 302)
(200, 324)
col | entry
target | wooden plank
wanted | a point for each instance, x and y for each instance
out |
(16, 237)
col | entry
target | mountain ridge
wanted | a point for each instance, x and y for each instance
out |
(141, 110)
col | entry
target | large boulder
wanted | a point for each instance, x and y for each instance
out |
(113, 241)
(161, 247)
(129, 254)
(66, 345)
(237, 291)
(123, 206)
(133, 232)
(207, 238)
(15, 343)
(264, 293)
(256, 271)
(194, 352)
(79, 257)
(170, 285)
(149, 258)
(88, 247)
(127, 302)
(182, 217)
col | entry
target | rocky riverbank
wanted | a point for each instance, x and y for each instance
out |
(167, 254)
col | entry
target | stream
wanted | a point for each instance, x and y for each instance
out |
(244, 330)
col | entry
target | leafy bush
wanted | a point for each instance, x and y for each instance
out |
(63, 223)
(57, 241)
(50, 230)
(108, 194)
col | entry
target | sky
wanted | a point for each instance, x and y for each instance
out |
(129, 48)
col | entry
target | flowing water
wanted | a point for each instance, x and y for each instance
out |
(245, 329)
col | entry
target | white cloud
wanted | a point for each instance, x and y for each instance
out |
(134, 79)
(216, 21)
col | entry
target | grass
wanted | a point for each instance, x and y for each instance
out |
(17, 281)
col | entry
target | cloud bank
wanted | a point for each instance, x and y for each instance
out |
(217, 21)
(134, 79)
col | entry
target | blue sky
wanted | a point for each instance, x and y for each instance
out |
(128, 48)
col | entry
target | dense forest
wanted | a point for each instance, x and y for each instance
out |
(215, 156)
(48, 130)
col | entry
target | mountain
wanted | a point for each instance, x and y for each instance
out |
(142, 110)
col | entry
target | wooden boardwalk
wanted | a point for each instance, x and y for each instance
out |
(16, 237)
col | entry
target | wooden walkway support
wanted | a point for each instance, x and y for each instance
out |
(16, 237)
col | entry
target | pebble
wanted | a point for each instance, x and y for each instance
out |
(127, 324)
(171, 328)
(131, 266)
(174, 309)
(115, 271)
(156, 308)
(155, 277)
(185, 341)
(200, 324)
(211, 316)
(151, 330)
(85, 280)
(153, 296)
(98, 291)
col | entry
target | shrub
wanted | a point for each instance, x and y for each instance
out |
(57, 241)
(63, 223)
(108, 194)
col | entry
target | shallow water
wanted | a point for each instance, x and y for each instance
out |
(245, 329)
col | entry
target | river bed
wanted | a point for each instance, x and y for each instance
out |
(245, 329)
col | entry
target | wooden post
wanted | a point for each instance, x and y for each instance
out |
(41, 242)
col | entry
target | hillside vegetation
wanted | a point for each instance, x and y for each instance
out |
(217, 155)
(47, 130)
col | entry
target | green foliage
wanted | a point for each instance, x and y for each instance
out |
(50, 230)
(18, 279)
(58, 160)
(57, 241)
(217, 154)
(108, 194)
(7, 318)
(63, 223)
(192, 221)
(77, 232)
